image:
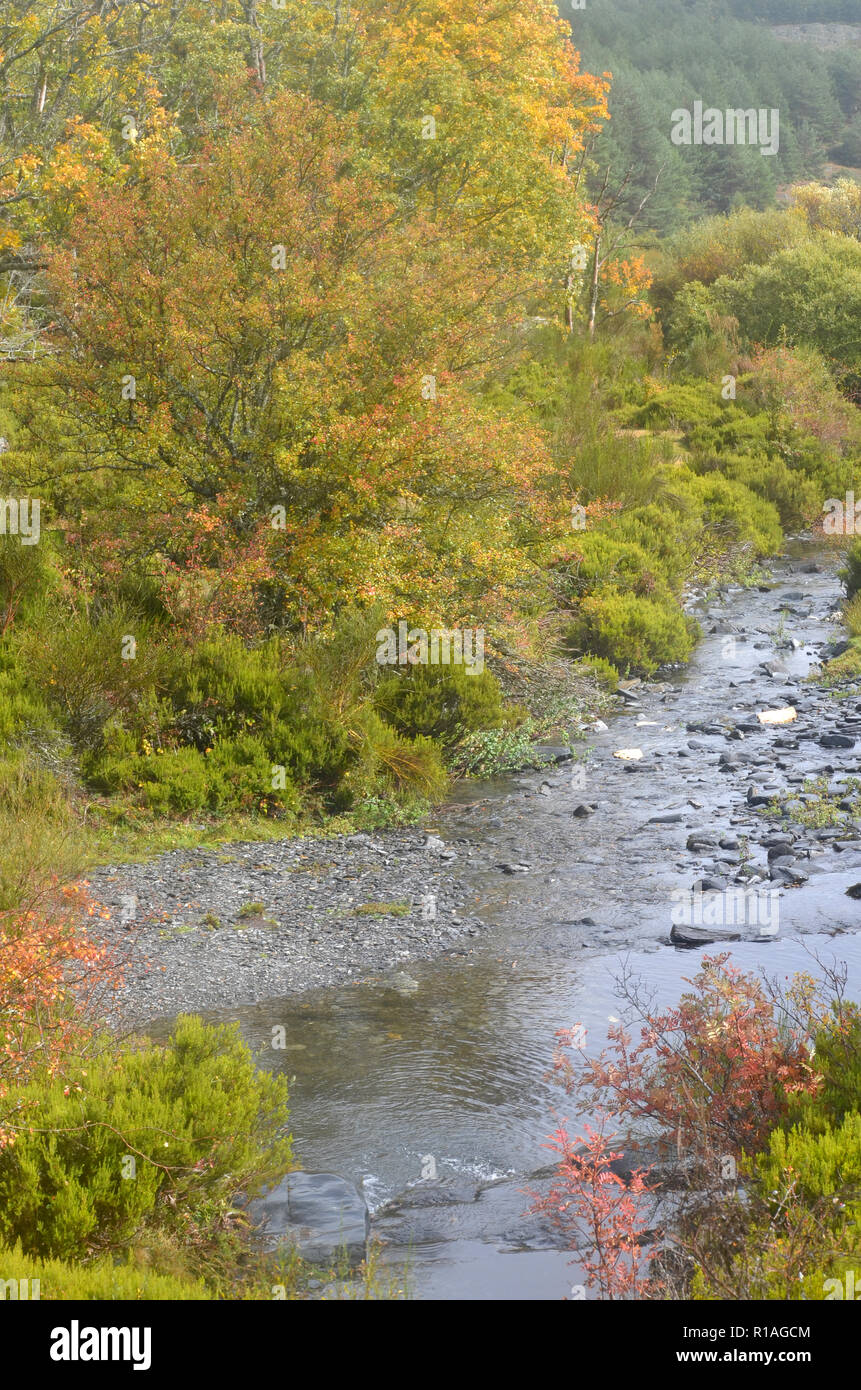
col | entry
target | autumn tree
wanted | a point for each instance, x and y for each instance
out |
(368, 260)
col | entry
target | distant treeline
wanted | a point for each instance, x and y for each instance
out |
(668, 53)
(799, 11)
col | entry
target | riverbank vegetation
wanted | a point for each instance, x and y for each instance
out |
(405, 399)
(313, 325)
(741, 1111)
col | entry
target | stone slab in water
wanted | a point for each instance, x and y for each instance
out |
(689, 937)
(545, 753)
(318, 1214)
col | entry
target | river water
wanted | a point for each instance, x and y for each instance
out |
(441, 1068)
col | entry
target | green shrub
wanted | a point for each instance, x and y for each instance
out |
(492, 752)
(822, 1165)
(795, 496)
(299, 709)
(733, 513)
(23, 711)
(386, 762)
(41, 839)
(26, 576)
(89, 671)
(235, 775)
(606, 674)
(176, 781)
(851, 575)
(670, 534)
(153, 1136)
(635, 634)
(605, 561)
(441, 702)
(102, 1280)
(679, 406)
(634, 469)
(838, 1061)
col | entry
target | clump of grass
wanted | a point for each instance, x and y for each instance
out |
(845, 668)
(252, 909)
(398, 909)
(821, 808)
(852, 616)
(210, 920)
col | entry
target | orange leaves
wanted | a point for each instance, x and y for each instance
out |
(588, 1198)
(631, 278)
(710, 1071)
(51, 973)
(309, 297)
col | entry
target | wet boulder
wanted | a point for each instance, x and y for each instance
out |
(320, 1215)
(837, 741)
(688, 937)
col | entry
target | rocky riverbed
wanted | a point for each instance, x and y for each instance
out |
(211, 929)
(599, 851)
(417, 978)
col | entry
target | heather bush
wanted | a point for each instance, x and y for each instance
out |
(91, 669)
(633, 633)
(442, 702)
(151, 1136)
(102, 1280)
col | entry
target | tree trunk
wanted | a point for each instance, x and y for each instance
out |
(593, 295)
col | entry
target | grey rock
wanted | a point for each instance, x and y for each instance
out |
(700, 839)
(318, 1214)
(781, 873)
(551, 753)
(834, 649)
(689, 937)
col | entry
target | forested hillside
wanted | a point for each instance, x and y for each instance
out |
(420, 344)
(669, 53)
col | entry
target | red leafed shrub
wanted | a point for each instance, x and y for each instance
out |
(589, 1202)
(51, 977)
(710, 1074)
(702, 1089)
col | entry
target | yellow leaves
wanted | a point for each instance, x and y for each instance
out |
(10, 240)
(830, 207)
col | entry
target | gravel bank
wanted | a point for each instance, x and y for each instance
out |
(211, 929)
